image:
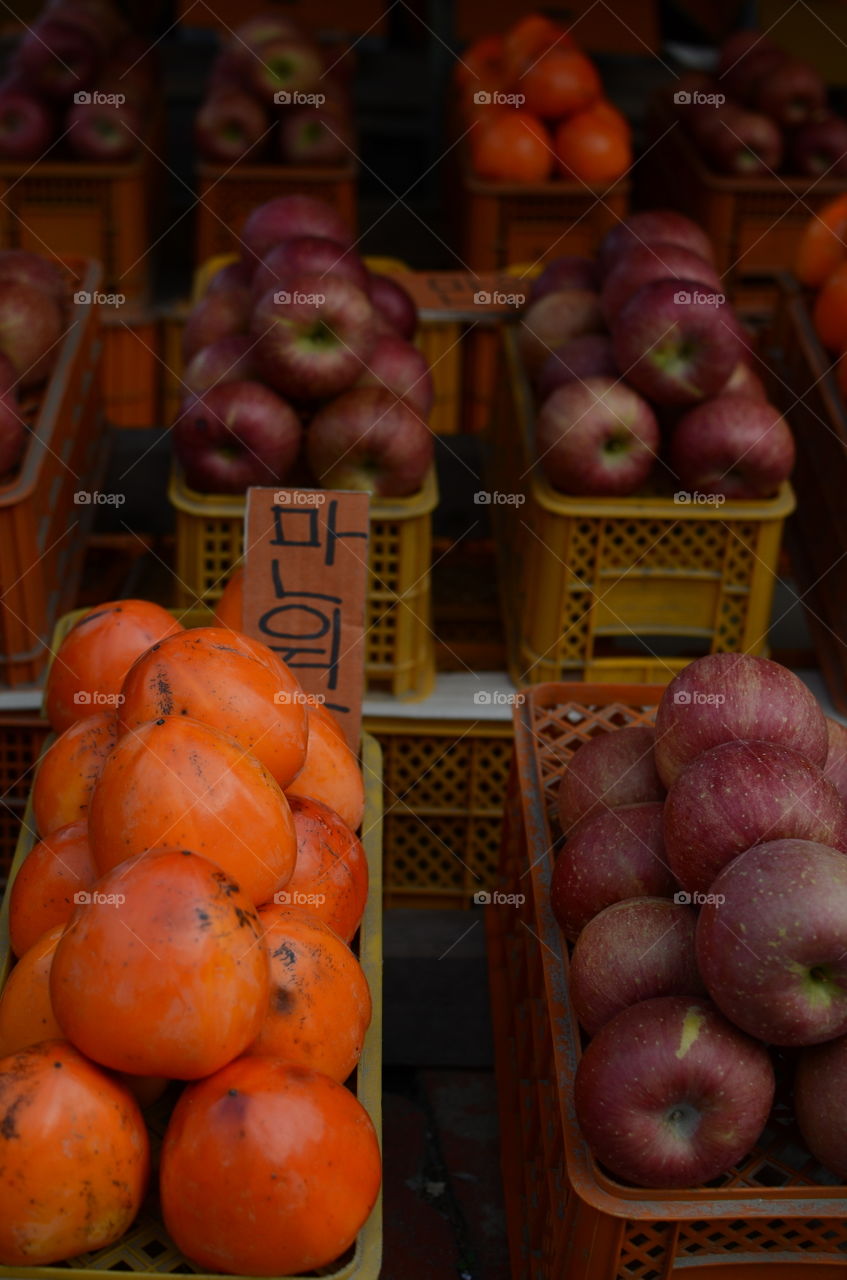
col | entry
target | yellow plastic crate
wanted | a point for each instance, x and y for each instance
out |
(399, 642)
(624, 590)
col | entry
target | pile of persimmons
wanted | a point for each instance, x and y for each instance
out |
(533, 106)
(821, 263)
(182, 930)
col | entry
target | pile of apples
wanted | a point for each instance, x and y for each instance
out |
(297, 352)
(271, 96)
(533, 105)
(703, 883)
(763, 112)
(642, 372)
(183, 931)
(78, 83)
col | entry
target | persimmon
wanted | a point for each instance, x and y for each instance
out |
(26, 1013)
(90, 664)
(230, 606)
(74, 1156)
(69, 769)
(560, 83)
(592, 149)
(829, 313)
(511, 146)
(331, 773)
(319, 1005)
(165, 971)
(210, 674)
(526, 41)
(52, 874)
(268, 1169)
(177, 781)
(331, 870)
(823, 244)
(604, 111)
(481, 64)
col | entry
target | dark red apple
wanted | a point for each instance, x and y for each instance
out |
(608, 770)
(30, 330)
(744, 382)
(772, 942)
(655, 261)
(58, 58)
(287, 65)
(101, 20)
(650, 225)
(676, 342)
(312, 135)
(836, 756)
(745, 58)
(392, 302)
(286, 217)
(26, 124)
(610, 856)
(235, 279)
(733, 445)
(227, 73)
(740, 45)
(227, 360)
(725, 696)
(103, 131)
(307, 256)
(230, 125)
(552, 320)
(315, 338)
(739, 794)
(236, 435)
(791, 94)
(820, 1083)
(367, 439)
(741, 142)
(588, 356)
(596, 437)
(13, 432)
(19, 266)
(217, 315)
(819, 148)
(400, 368)
(670, 1094)
(258, 30)
(8, 375)
(633, 950)
(567, 272)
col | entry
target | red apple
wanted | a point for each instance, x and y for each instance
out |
(739, 46)
(633, 950)
(286, 217)
(368, 439)
(608, 770)
(103, 131)
(772, 942)
(744, 382)
(399, 367)
(19, 266)
(235, 279)
(261, 28)
(228, 359)
(283, 66)
(612, 855)
(30, 329)
(8, 375)
(820, 1082)
(725, 696)
(26, 124)
(588, 356)
(227, 73)
(552, 320)
(791, 94)
(313, 135)
(676, 342)
(739, 794)
(567, 272)
(655, 261)
(230, 125)
(664, 225)
(13, 432)
(733, 445)
(307, 256)
(745, 58)
(391, 302)
(819, 148)
(836, 756)
(101, 20)
(236, 435)
(314, 338)
(670, 1094)
(217, 315)
(741, 142)
(58, 58)
(596, 437)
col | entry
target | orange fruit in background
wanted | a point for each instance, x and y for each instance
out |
(207, 674)
(525, 42)
(26, 1012)
(53, 872)
(268, 1169)
(74, 1161)
(69, 769)
(603, 110)
(592, 148)
(331, 867)
(90, 664)
(829, 313)
(228, 610)
(176, 781)
(511, 146)
(481, 64)
(331, 773)
(560, 83)
(164, 972)
(319, 1005)
(823, 244)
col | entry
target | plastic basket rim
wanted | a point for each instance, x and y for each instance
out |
(243, 171)
(594, 1187)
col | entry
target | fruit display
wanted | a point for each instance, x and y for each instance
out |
(185, 932)
(644, 376)
(272, 96)
(78, 84)
(708, 923)
(300, 364)
(764, 111)
(534, 106)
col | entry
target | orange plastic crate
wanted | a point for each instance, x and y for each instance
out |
(777, 1215)
(131, 366)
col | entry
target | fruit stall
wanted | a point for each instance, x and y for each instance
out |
(423, 642)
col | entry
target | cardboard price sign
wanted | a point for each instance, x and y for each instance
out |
(305, 579)
(464, 295)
